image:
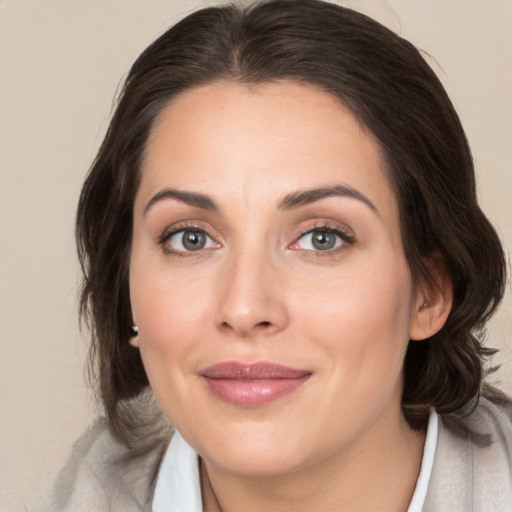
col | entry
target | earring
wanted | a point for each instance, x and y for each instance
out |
(134, 340)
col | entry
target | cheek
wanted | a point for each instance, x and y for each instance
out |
(164, 297)
(169, 315)
(361, 319)
(167, 312)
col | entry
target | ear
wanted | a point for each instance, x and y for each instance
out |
(433, 301)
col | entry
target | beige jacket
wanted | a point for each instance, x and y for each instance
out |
(472, 469)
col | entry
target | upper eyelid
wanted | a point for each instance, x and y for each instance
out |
(183, 226)
(327, 226)
(324, 227)
(170, 233)
(338, 232)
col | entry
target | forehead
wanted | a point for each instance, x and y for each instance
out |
(229, 138)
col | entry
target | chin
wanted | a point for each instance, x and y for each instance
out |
(253, 451)
(257, 463)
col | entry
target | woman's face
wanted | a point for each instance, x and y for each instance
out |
(268, 278)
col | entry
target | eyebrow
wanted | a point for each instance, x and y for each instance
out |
(303, 198)
(191, 198)
(290, 202)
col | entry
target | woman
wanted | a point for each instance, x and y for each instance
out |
(281, 242)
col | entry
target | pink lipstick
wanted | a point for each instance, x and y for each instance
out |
(252, 385)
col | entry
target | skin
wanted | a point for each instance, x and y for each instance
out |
(260, 291)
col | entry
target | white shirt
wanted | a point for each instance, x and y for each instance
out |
(178, 487)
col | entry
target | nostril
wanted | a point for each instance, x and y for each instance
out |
(246, 330)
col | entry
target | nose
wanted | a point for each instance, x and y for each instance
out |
(252, 298)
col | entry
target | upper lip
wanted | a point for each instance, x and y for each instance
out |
(252, 371)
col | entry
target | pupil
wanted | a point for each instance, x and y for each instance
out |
(323, 240)
(193, 240)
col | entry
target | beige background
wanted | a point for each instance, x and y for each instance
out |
(60, 64)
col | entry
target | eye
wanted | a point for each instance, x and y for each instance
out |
(321, 240)
(189, 240)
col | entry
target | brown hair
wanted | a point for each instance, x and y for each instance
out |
(388, 86)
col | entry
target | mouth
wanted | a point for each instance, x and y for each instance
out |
(252, 385)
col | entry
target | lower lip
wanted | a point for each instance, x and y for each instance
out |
(255, 392)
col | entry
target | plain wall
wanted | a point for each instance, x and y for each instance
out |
(60, 65)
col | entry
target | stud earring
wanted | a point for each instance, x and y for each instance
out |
(134, 340)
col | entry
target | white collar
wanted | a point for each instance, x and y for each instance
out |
(178, 488)
(427, 463)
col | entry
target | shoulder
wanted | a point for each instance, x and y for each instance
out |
(103, 474)
(493, 420)
(473, 461)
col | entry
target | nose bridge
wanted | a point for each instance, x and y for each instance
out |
(249, 301)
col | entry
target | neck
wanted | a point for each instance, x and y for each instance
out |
(376, 472)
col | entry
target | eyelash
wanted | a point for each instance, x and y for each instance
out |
(346, 239)
(168, 234)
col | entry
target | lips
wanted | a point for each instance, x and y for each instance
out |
(252, 385)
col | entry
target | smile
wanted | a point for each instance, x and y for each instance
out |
(252, 385)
